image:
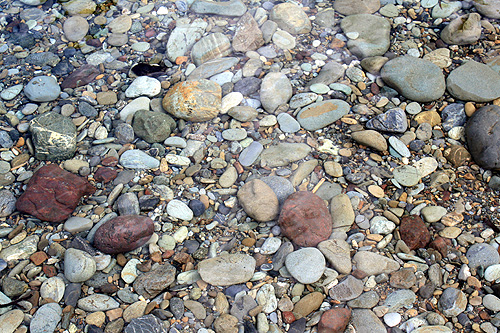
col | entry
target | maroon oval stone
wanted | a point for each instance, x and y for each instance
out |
(334, 320)
(414, 232)
(123, 234)
(305, 219)
(105, 174)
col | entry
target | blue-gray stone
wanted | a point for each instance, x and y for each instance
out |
(322, 114)
(394, 121)
(453, 115)
(250, 154)
(137, 159)
(482, 254)
(46, 318)
(42, 89)
(287, 123)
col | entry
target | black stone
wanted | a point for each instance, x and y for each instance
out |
(87, 110)
(247, 86)
(298, 326)
(453, 115)
(197, 207)
(148, 202)
(483, 136)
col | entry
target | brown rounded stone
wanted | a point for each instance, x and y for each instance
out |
(414, 232)
(53, 194)
(105, 174)
(193, 100)
(305, 219)
(123, 234)
(258, 200)
(334, 320)
(457, 155)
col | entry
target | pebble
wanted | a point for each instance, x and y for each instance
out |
(79, 266)
(306, 265)
(227, 269)
(179, 210)
(46, 318)
(482, 255)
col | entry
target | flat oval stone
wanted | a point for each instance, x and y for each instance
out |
(137, 159)
(227, 269)
(42, 89)
(97, 302)
(179, 210)
(322, 114)
(123, 234)
(11, 92)
(406, 175)
(306, 265)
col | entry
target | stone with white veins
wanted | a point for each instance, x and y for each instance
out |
(266, 298)
(129, 271)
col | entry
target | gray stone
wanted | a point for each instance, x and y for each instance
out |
(393, 121)
(46, 318)
(146, 324)
(287, 123)
(42, 89)
(351, 7)
(306, 265)
(227, 8)
(54, 136)
(347, 290)
(364, 320)
(22, 250)
(152, 283)
(137, 159)
(215, 45)
(475, 82)
(212, 67)
(283, 154)
(75, 28)
(282, 187)
(491, 302)
(463, 30)
(399, 298)
(483, 136)
(227, 269)
(79, 266)
(43, 59)
(374, 264)
(322, 114)
(53, 288)
(97, 302)
(482, 254)
(342, 213)
(373, 34)
(330, 73)
(291, 18)
(275, 90)
(184, 36)
(365, 301)
(488, 8)
(452, 302)
(7, 203)
(415, 78)
(250, 154)
(338, 254)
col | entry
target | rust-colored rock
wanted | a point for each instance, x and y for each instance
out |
(193, 100)
(123, 234)
(414, 232)
(105, 175)
(334, 320)
(52, 194)
(305, 219)
(80, 77)
(439, 244)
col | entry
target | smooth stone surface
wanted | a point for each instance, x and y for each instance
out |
(97, 302)
(274, 91)
(306, 265)
(284, 153)
(374, 264)
(475, 82)
(347, 290)
(483, 145)
(373, 33)
(42, 89)
(452, 302)
(227, 269)
(46, 318)
(137, 159)
(483, 255)
(79, 266)
(337, 252)
(322, 114)
(415, 78)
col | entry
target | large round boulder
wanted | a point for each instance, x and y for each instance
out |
(483, 136)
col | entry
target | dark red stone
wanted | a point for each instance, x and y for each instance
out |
(414, 232)
(80, 77)
(305, 219)
(105, 175)
(52, 194)
(439, 244)
(334, 320)
(109, 161)
(49, 270)
(123, 234)
(288, 317)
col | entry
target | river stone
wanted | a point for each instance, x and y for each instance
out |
(337, 252)
(399, 298)
(488, 8)
(212, 67)
(75, 28)
(195, 101)
(213, 46)
(275, 90)
(291, 18)
(475, 82)
(463, 30)
(373, 34)
(7, 203)
(226, 8)
(53, 288)
(482, 254)
(370, 138)
(304, 219)
(248, 36)
(151, 283)
(351, 7)
(227, 269)
(258, 200)
(392, 121)
(452, 302)
(46, 318)
(137, 159)
(284, 153)
(322, 114)
(143, 85)
(184, 36)
(342, 212)
(97, 302)
(406, 175)
(79, 266)
(123, 234)
(483, 136)
(374, 264)
(11, 320)
(52, 194)
(42, 89)
(306, 265)
(153, 126)
(54, 136)
(347, 290)
(416, 79)
(364, 320)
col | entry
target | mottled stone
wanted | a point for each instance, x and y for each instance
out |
(54, 136)
(227, 269)
(414, 232)
(123, 234)
(151, 283)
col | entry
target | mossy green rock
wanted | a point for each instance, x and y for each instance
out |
(153, 126)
